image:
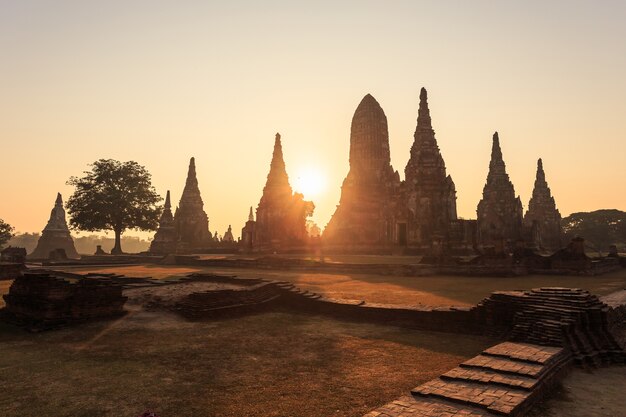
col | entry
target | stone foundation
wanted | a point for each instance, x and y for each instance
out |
(40, 301)
(506, 379)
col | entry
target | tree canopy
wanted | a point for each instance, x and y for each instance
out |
(601, 228)
(6, 232)
(114, 196)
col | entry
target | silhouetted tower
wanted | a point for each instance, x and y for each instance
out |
(430, 193)
(165, 238)
(281, 214)
(56, 235)
(500, 210)
(192, 222)
(543, 220)
(363, 216)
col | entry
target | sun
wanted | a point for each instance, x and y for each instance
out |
(309, 181)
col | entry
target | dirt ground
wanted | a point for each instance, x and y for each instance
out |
(169, 295)
(272, 364)
(440, 290)
(594, 393)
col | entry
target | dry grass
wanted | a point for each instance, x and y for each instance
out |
(272, 364)
(584, 393)
(433, 290)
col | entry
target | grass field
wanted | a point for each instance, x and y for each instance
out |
(272, 364)
(434, 290)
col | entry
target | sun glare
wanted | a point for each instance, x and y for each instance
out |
(309, 181)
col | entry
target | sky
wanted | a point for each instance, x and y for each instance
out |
(159, 82)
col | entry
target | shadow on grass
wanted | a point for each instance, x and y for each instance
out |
(272, 364)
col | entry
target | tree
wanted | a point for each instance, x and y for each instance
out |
(601, 227)
(6, 232)
(114, 196)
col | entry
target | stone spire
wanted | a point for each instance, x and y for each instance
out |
(56, 234)
(165, 238)
(499, 211)
(251, 215)
(423, 114)
(191, 221)
(228, 236)
(191, 184)
(497, 168)
(369, 140)
(543, 219)
(281, 215)
(363, 216)
(277, 179)
(430, 192)
(168, 204)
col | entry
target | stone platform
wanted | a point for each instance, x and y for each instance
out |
(44, 300)
(506, 379)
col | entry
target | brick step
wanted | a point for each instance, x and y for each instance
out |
(492, 398)
(409, 406)
(524, 352)
(483, 376)
(500, 365)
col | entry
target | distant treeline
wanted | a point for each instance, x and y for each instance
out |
(600, 228)
(85, 245)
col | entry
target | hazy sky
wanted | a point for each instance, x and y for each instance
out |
(161, 81)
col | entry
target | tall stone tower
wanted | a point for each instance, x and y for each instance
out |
(499, 211)
(190, 219)
(430, 193)
(281, 214)
(543, 220)
(364, 215)
(56, 235)
(248, 233)
(165, 238)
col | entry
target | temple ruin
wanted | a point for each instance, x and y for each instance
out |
(228, 236)
(165, 238)
(281, 214)
(364, 217)
(377, 211)
(248, 233)
(190, 219)
(542, 221)
(56, 235)
(188, 229)
(500, 210)
(430, 194)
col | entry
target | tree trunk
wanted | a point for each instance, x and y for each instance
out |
(117, 249)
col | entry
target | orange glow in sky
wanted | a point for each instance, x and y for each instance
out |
(310, 181)
(159, 82)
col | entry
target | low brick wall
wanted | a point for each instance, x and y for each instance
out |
(41, 301)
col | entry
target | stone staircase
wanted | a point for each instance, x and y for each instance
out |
(215, 304)
(565, 317)
(506, 379)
